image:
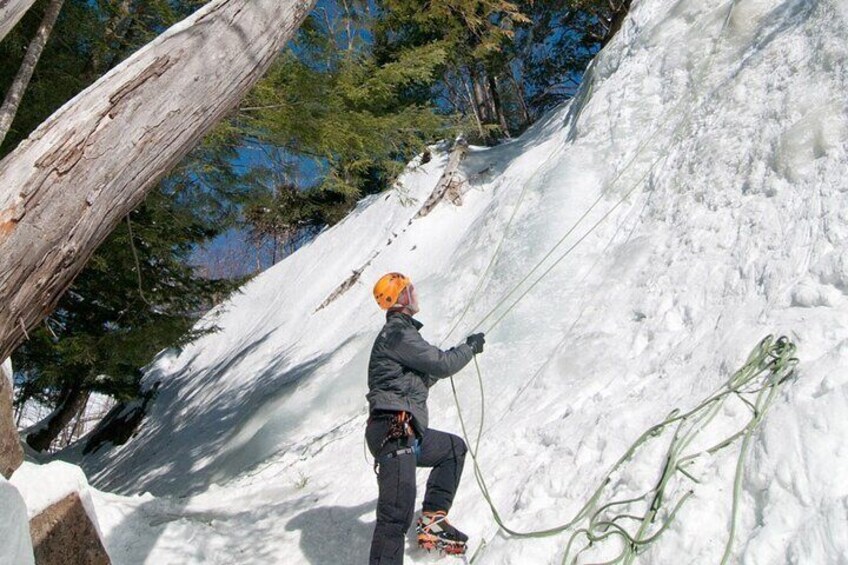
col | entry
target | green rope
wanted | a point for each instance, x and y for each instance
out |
(770, 365)
(671, 464)
(497, 252)
(777, 370)
(613, 182)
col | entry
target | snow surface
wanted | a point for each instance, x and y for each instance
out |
(722, 129)
(41, 486)
(16, 547)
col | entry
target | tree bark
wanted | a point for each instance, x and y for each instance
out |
(65, 188)
(75, 430)
(70, 403)
(488, 99)
(474, 108)
(11, 12)
(16, 92)
(481, 100)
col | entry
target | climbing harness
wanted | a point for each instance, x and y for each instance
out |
(401, 430)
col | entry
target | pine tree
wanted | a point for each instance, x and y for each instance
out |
(550, 54)
(329, 106)
(473, 32)
(137, 296)
(508, 61)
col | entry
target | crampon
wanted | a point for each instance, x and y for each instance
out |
(433, 543)
(436, 534)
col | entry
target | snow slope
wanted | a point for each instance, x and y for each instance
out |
(712, 137)
(14, 527)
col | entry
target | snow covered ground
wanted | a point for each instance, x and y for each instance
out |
(14, 531)
(710, 142)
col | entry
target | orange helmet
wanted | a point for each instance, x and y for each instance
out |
(388, 289)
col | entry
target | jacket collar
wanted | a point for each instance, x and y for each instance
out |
(405, 317)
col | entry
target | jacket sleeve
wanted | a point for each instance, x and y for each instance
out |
(414, 352)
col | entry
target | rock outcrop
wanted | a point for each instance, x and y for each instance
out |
(63, 533)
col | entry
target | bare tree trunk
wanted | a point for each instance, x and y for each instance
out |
(72, 399)
(258, 246)
(64, 189)
(11, 12)
(496, 101)
(75, 431)
(488, 99)
(522, 99)
(33, 54)
(474, 108)
(348, 27)
(18, 413)
(481, 100)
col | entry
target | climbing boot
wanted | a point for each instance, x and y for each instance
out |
(435, 532)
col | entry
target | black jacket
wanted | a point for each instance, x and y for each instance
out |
(404, 366)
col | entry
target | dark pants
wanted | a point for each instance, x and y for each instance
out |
(444, 452)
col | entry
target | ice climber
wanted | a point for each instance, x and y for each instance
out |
(402, 369)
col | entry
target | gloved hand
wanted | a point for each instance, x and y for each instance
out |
(476, 342)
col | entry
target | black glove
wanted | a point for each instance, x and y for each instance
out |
(476, 342)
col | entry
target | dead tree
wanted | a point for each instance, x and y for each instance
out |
(450, 183)
(33, 54)
(65, 188)
(11, 12)
(72, 401)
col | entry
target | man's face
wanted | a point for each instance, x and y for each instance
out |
(413, 300)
